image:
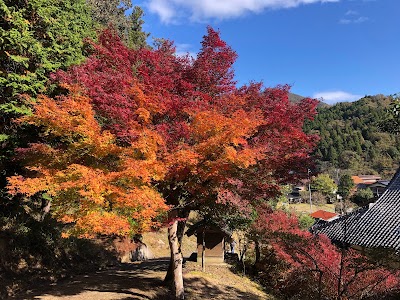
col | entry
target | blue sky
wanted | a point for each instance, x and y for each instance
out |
(340, 50)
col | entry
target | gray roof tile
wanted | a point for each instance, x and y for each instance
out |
(375, 226)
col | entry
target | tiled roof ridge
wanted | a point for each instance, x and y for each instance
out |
(395, 181)
(375, 226)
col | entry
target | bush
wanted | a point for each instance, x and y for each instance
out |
(33, 251)
(306, 221)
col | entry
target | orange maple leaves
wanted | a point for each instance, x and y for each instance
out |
(95, 183)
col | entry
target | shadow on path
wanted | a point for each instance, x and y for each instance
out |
(201, 288)
(145, 281)
(127, 281)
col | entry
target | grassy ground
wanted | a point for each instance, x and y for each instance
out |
(305, 207)
(157, 242)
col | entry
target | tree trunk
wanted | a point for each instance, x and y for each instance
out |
(258, 256)
(184, 214)
(46, 205)
(177, 260)
(258, 252)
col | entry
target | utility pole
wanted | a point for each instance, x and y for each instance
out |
(309, 188)
(340, 199)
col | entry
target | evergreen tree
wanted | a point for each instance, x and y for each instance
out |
(136, 36)
(345, 186)
(114, 13)
(36, 38)
(332, 154)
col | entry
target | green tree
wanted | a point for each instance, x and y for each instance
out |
(345, 186)
(324, 184)
(391, 123)
(332, 155)
(37, 38)
(107, 12)
(115, 13)
(306, 221)
(136, 36)
(363, 197)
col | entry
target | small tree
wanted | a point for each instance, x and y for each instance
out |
(363, 197)
(324, 183)
(346, 184)
(306, 221)
(392, 122)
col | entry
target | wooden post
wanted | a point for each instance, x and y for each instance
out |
(203, 252)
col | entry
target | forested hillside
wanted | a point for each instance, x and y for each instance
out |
(350, 137)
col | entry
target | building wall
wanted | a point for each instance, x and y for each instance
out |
(214, 247)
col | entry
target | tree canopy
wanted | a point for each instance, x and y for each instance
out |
(176, 124)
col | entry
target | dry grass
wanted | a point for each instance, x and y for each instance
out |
(305, 207)
(157, 242)
(219, 282)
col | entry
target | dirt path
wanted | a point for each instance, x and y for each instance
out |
(144, 281)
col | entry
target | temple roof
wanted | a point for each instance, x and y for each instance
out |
(377, 225)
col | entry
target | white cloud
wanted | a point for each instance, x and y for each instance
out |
(332, 97)
(170, 11)
(184, 49)
(353, 17)
(353, 20)
(161, 7)
(351, 13)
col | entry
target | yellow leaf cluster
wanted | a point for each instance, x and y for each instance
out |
(107, 223)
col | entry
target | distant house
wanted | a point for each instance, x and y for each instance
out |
(324, 215)
(366, 179)
(214, 238)
(374, 226)
(294, 196)
(379, 187)
(373, 182)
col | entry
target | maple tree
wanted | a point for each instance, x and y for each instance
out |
(91, 182)
(214, 141)
(311, 266)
